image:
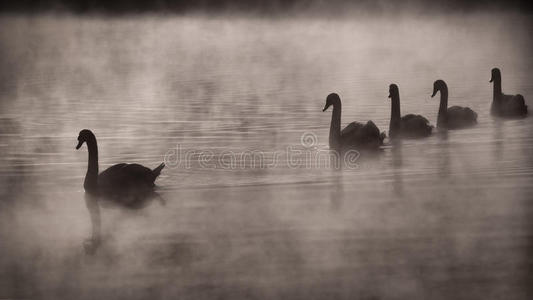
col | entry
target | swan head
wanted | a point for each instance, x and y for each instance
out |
(394, 91)
(332, 99)
(438, 85)
(84, 136)
(495, 74)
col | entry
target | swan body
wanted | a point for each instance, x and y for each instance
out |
(410, 125)
(128, 185)
(355, 135)
(461, 117)
(117, 181)
(455, 117)
(505, 105)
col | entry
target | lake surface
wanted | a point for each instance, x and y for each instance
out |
(447, 217)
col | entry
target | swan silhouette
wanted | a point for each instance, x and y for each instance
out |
(455, 117)
(505, 105)
(364, 136)
(410, 126)
(127, 185)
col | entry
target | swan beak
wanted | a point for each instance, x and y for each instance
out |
(326, 107)
(79, 145)
(390, 96)
(434, 93)
(491, 79)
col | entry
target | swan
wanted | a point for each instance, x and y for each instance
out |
(411, 126)
(455, 117)
(127, 185)
(505, 105)
(356, 134)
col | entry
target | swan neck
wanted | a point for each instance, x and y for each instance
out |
(443, 108)
(395, 115)
(335, 128)
(91, 178)
(497, 89)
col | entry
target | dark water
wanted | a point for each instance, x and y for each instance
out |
(448, 217)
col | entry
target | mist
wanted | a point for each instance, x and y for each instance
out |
(440, 218)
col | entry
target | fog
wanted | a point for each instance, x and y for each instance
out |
(439, 218)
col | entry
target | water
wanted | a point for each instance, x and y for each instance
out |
(440, 218)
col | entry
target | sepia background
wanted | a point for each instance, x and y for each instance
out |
(447, 217)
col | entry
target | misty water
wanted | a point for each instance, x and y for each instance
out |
(445, 217)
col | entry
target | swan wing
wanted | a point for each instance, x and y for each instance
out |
(125, 177)
(362, 135)
(416, 120)
(462, 112)
(372, 137)
(415, 126)
(111, 174)
(352, 129)
(461, 117)
(371, 130)
(514, 105)
(129, 185)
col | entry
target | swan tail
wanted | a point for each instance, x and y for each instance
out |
(428, 130)
(382, 136)
(157, 170)
(522, 103)
(474, 116)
